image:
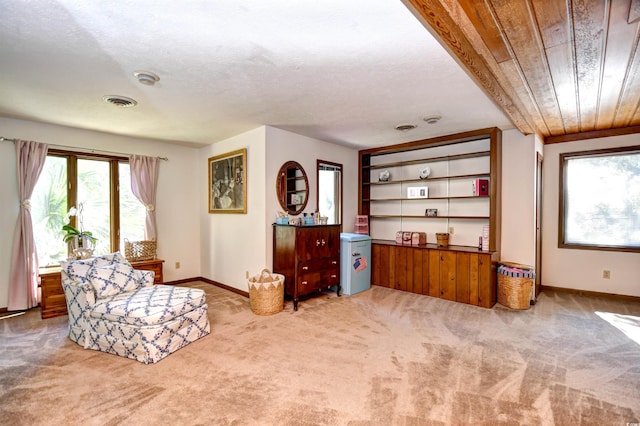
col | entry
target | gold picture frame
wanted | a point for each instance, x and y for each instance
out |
(228, 182)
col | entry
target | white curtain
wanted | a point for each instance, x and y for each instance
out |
(144, 181)
(23, 275)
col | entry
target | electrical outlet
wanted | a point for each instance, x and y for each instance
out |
(451, 230)
(606, 274)
(177, 265)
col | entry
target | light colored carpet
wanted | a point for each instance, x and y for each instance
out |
(381, 357)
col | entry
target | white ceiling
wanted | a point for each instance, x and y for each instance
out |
(344, 71)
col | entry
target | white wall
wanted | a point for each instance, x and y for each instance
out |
(582, 269)
(178, 225)
(285, 146)
(518, 197)
(232, 244)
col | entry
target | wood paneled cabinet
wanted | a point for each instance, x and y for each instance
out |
(53, 302)
(308, 257)
(453, 273)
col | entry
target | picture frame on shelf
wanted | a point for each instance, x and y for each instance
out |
(431, 212)
(228, 182)
(418, 192)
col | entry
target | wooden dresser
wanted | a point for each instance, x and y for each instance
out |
(309, 258)
(53, 302)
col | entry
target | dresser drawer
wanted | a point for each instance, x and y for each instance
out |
(309, 276)
(331, 272)
(316, 274)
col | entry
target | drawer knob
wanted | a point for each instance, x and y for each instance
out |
(334, 262)
(305, 268)
(333, 275)
(317, 243)
(305, 282)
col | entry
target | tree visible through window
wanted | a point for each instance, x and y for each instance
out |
(600, 199)
(103, 186)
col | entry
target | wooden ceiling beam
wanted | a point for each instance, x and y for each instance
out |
(436, 18)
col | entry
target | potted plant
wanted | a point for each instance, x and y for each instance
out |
(80, 241)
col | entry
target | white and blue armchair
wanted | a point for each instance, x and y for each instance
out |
(117, 309)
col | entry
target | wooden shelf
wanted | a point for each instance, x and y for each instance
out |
(472, 176)
(398, 216)
(429, 160)
(465, 197)
(387, 204)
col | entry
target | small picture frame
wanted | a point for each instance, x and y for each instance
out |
(431, 212)
(418, 192)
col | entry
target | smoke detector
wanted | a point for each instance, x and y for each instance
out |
(405, 127)
(146, 77)
(432, 119)
(120, 101)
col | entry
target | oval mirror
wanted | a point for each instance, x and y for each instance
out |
(292, 188)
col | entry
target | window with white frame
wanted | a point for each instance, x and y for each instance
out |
(600, 199)
(329, 191)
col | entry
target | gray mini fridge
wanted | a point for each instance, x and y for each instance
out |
(355, 263)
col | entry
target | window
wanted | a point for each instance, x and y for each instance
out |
(600, 199)
(330, 191)
(101, 186)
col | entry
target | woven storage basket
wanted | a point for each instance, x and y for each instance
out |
(266, 293)
(442, 238)
(139, 250)
(515, 282)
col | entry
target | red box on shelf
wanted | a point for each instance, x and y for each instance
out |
(481, 187)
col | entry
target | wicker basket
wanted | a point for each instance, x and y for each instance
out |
(266, 293)
(139, 250)
(514, 285)
(442, 238)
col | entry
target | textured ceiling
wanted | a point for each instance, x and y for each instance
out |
(340, 71)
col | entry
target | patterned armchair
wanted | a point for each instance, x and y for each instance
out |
(117, 309)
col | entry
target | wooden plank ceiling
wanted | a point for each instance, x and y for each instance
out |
(564, 69)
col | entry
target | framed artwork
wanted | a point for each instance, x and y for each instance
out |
(228, 182)
(418, 192)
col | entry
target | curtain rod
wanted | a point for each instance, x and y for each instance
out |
(87, 150)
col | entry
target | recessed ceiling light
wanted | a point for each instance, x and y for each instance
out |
(120, 101)
(405, 127)
(432, 119)
(146, 77)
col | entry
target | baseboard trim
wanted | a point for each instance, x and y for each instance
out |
(183, 281)
(224, 286)
(591, 293)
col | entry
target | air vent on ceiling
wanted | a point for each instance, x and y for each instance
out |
(405, 127)
(121, 101)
